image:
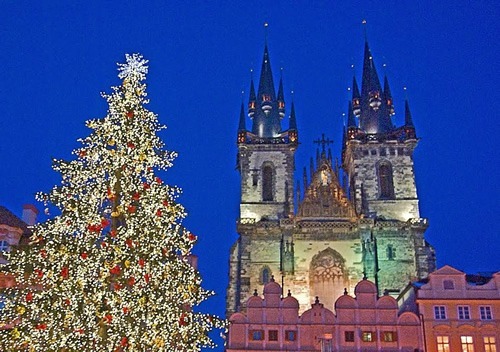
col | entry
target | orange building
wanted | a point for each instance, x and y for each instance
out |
(459, 312)
(361, 323)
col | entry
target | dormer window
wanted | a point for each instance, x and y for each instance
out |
(448, 285)
(251, 105)
(266, 97)
(281, 104)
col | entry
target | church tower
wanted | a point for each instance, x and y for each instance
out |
(352, 221)
(266, 164)
(266, 153)
(378, 160)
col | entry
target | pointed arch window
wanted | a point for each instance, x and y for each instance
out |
(386, 185)
(267, 183)
(265, 275)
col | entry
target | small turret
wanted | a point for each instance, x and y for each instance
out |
(281, 97)
(252, 100)
(356, 98)
(388, 97)
(409, 127)
(242, 130)
(352, 128)
(293, 133)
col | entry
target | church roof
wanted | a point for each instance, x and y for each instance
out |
(324, 198)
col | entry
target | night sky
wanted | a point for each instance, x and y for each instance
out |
(56, 57)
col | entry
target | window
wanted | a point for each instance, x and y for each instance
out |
(267, 183)
(272, 335)
(386, 186)
(463, 313)
(255, 179)
(265, 275)
(326, 344)
(467, 344)
(443, 343)
(489, 344)
(448, 285)
(4, 246)
(373, 152)
(389, 336)
(349, 336)
(382, 152)
(439, 312)
(391, 252)
(367, 336)
(290, 335)
(256, 335)
(485, 312)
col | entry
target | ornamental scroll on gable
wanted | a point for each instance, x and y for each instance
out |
(324, 198)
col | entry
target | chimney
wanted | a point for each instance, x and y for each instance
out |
(30, 213)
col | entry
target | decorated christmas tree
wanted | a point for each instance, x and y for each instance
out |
(112, 272)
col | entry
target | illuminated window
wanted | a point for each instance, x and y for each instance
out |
(485, 313)
(448, 285)
(4, 246)
(326, 344)
(463, 313)
(439, 312)
(290, 335)
(489, 344)
(266, 97)
(272, 335)
(367, 336)
(389, 336)
(267, 183)
(391, 252)
(256, 335)
(443, 343)
(386, 186)
(349, 336)
(467, 343)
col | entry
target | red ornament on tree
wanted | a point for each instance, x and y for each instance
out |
(124, 342)
(141, 262)
(65, 272)
(165, 203)
(131, 209)
(104, 223)
(146, 185)
(158, 180)
(131, 281)
(41, 326)
(29, 297)
(130, 114)
(183, 320)
(43, 253)
(129, 243)
(136, 196)
(125, 310)
(131, 145)
(146, 278)
(192, 237)
(108, 318)
(115, 270)
(84, 255)
(39, 273)
(113, 233)
(158, 212)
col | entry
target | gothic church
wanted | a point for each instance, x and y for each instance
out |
(359, 219)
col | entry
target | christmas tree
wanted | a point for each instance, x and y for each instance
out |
(112, 272)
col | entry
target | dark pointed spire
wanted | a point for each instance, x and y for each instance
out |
(304, 179)
(266, 83)
(281, 97)
(266, 120)
(375, 114)
(388, 96)
(252, 100)
(242, 129)
(408, 118)
(293, 133)
(293, 119)
(351, 122)
(356, 98)
(242, 125)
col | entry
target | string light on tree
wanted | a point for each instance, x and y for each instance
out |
(112, 271)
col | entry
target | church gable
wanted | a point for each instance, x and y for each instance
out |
(324, 198)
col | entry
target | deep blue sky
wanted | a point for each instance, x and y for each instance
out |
(55, 58)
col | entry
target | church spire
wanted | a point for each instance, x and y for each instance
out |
(266, 117)
(388, 96)
(252, 100)
(242, 129)
(409, 127)
(281, 97)
(375, 114)
(356, 97)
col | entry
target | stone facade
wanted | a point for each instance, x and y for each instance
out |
(354, 221)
